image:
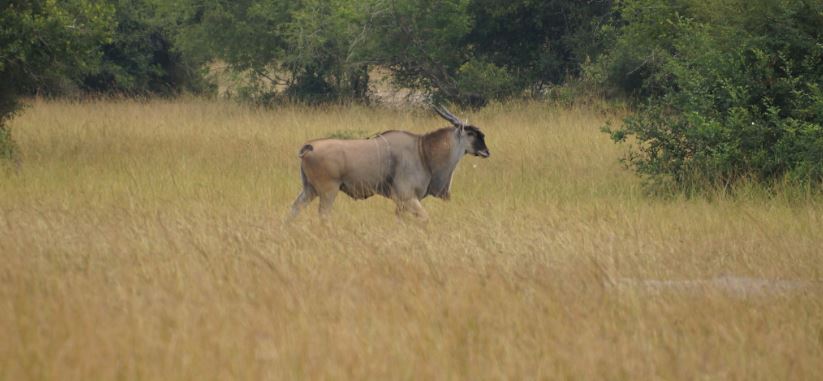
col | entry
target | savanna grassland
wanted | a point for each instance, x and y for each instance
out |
(145, 240)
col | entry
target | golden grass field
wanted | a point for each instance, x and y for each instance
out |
(145, 241)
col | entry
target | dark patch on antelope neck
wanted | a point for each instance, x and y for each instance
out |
(436, 156)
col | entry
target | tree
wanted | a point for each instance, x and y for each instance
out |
(727, 91)
(473, 51)
(307, 50)
(463, 51)
(41, 41)
(539, 42)
(420, 41)
(141, 58)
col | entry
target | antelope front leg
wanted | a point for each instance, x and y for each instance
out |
(418, 210)
(414, 207)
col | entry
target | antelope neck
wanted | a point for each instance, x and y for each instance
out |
(438, 151)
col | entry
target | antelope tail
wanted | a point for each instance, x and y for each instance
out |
(304, 149)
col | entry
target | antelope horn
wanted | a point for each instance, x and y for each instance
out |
(440, 110)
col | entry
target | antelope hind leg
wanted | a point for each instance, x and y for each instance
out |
(304, 198)
(326, 203)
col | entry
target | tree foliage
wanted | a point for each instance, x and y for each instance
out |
(141, 58)
(473, 51)
(306, 49)
(727, 91)
(464, 51)
(420, 42)
(44, 41)
(540, 43)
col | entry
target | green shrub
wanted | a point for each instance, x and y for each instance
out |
(727, 91)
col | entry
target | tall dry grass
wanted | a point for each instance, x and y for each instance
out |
(145, 241)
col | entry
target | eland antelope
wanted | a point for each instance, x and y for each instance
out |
(399, 165)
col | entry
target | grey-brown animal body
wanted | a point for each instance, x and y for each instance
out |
(399, 165)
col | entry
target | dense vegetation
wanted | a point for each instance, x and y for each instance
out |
(727, 90)
(43, 42)
(724, 91)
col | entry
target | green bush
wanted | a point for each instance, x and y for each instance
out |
(727, 91)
